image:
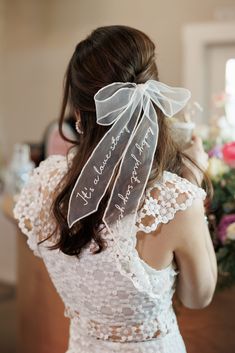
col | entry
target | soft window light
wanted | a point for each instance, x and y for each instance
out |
(230, 91)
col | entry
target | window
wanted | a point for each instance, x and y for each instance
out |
(230, 91)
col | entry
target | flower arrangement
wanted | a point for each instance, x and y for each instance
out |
(222, 211)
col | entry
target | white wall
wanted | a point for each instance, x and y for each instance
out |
(36, 40)
(39, 37)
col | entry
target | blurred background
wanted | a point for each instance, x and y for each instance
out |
(195, 46)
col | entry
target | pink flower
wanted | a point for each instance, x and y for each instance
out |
(223, 226)
(228, 152)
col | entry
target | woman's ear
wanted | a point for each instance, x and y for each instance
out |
(77, 115)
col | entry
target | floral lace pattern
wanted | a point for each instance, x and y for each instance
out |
(115, 301)
(171, 195)
(33, 209)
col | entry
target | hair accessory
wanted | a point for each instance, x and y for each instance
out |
(79, 131)
(131, 140)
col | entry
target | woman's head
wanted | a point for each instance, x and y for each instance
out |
(109, 54)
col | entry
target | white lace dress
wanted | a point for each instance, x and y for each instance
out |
(116, 302)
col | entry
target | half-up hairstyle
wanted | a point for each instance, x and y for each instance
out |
(108, 54)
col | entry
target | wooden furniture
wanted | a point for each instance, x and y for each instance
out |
(211, 330)
(44, 329)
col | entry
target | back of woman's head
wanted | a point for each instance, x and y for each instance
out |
(109, 54)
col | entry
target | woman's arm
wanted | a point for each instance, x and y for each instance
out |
(211, 252)
(197, 154)
(195, 257)
(202, 245)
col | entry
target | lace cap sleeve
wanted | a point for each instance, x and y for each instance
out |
(164, 199)
(33, 208)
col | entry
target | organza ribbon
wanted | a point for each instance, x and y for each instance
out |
(132, 141)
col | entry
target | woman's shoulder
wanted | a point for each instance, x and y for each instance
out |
(52, 170)
(172, 185)
(33, 206)
(54, 163)
(181, 184)
(164, 198)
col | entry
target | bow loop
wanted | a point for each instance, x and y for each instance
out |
(169, 99)
(112, 100)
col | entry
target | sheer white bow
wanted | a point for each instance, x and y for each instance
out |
(132, 141)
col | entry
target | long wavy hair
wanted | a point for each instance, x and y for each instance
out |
(109, 54)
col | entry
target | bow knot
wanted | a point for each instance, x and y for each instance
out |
(142, 87)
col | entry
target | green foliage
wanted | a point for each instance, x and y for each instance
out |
(223, 203)
(224, 195)
(226, 265)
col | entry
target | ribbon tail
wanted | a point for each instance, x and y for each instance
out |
(133, 175)
(98, 171)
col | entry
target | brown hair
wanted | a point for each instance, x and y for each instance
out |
(108, 54)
